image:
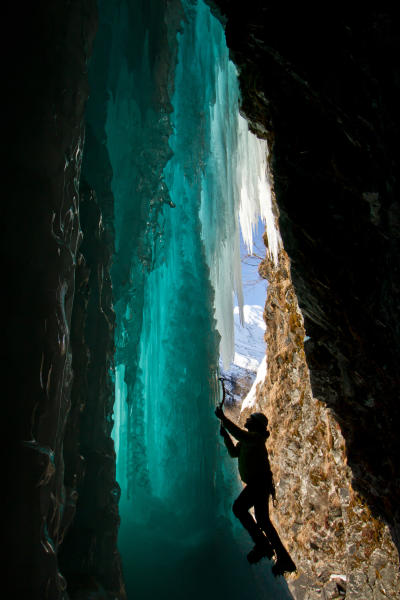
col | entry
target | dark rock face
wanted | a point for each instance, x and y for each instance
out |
(337, 544)
(46, 74)
(88, 556)
(323, 86)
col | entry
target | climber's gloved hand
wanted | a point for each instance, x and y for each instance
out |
(219, 412)
(222, 431)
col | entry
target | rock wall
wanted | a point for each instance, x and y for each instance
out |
(322, 85)
(45, 67)
(339, 548)
(88, 556)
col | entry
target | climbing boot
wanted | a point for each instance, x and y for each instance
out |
(260, 550)
(283, 565)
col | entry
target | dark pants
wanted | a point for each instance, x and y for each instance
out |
(257, 495)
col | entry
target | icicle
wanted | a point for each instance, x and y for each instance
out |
(235, 182)
(181, 176)
(255, 190)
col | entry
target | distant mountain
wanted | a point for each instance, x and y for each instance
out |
(250, 350)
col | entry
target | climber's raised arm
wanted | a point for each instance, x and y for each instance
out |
(237, 432)
(231, 447)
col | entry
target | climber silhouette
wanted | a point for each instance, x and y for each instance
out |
(255, 472)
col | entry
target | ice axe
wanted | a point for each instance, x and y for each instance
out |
(221, 404)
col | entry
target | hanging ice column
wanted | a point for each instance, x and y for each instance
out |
(217, 174)
(167, 347)
(235, 182)
(179, 181)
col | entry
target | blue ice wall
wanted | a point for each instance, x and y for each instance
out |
(164, 112)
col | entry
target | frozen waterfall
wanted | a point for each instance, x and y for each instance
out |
(235, 182)
(186, 174)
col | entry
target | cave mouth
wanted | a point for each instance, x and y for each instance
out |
(180, 170)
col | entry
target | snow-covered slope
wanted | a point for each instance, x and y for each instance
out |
(250, 399)
(249, 352)
(249, 338)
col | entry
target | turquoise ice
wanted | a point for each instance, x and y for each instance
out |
(184, 169)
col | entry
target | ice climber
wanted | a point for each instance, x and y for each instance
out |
(255, 472)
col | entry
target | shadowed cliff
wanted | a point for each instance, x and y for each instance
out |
(322, 85)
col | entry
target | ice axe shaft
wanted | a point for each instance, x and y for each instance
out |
(221, 404)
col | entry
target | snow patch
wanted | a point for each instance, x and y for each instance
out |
(250, 400)
(249, 337)
(250, 350)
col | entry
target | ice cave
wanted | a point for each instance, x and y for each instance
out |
(145, 142)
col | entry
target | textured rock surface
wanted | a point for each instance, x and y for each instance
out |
(322, 85)
(88, 557)
(338, 546)
(46, 73)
